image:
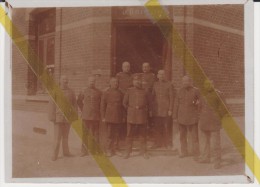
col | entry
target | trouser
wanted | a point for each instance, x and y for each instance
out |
(123, 129)
(192, 131)
(61, 134)
(213, 136)
(160, 131)
(113, 130)
(90, 138)
(169, 131)
(139, 129)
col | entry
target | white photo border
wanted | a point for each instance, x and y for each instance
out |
(249, 93)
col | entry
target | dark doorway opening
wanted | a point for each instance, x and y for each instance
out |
(138, 43)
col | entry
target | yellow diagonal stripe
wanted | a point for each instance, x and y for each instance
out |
(195, 71)
(62, 103)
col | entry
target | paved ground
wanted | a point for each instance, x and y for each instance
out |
(32, 156)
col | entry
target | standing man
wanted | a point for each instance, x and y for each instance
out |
(61, 125)
(91, 117)
(136, 102)
(186, 113)
(148, 78)
(162, 99)
(125, 81)
(212, 111)
(112, 114)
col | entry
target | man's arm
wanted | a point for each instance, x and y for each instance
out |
(74, 105)
(51, 110)
(176, 107)
(126, 99)
(171, 97)
(103, 105)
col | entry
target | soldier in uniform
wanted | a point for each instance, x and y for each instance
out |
(91, 117)
(112, 114)
(211, 113)
(61, 125)
(162, 99)
(186, 113)
(137, 104)
(125, 79)
(148, 78)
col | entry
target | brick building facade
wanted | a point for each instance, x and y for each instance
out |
(79, 42)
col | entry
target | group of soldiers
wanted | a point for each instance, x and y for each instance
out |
(136, 103)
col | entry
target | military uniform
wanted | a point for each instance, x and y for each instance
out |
(112, 112)
(162, 103)
(91, 117)
(137, 104)
(186, 112)
(148, 80)
(210, 125)
(61, 125)
(125, 81)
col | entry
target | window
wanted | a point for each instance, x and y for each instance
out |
(44, 22)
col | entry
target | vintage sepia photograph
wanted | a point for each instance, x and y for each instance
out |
(144, 91)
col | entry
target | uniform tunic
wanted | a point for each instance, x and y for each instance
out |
(185, 107)
(112, 106)
(62, 126)
(148, 80)
(137, 103)
(91, 108)
(162, 98)
(125, 81)
(55, 114)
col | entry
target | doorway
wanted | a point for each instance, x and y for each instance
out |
(139, 42)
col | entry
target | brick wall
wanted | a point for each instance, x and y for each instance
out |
(83, 44)
(19, 66)
(226, 15)
(220, 52)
